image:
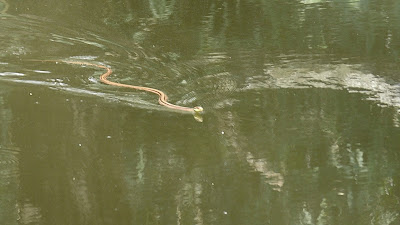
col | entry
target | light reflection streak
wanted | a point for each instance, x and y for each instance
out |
(337, 77)
(7, 74)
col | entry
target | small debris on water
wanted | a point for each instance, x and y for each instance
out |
(73, 178)
(340, 193)
(30, 93)
(212, 184)
(108, 136)
(67, 99)
(225, 212)
(80, 145)
(222, 132)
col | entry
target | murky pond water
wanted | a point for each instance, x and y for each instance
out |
(301, 122)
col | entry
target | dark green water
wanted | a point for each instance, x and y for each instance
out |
(301, 122)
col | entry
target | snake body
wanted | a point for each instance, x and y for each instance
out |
(162, 97)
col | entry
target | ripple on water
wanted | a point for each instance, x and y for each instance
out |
(26, 37)
(338, 77)
(9, 160)
(28, 213)
(3, 6)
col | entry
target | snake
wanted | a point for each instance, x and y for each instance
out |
(162, 97)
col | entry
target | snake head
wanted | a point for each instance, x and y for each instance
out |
(198, 109)
(197, 113)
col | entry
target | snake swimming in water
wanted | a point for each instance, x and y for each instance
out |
(162, 97)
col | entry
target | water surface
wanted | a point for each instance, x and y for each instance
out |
(301, 122)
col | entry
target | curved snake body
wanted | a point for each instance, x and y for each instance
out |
(162, 97)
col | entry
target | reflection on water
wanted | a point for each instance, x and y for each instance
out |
(301, 122)
(9, 162)
(340, 77)
(28, 213)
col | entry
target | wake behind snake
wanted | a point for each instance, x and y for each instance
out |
(162, 97)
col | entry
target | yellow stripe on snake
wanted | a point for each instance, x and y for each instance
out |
(162, 97)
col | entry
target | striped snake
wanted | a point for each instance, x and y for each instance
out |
(162, 97)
